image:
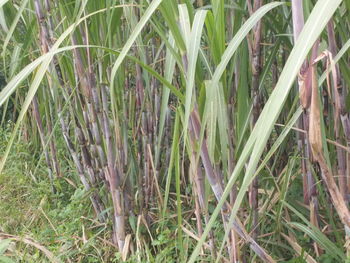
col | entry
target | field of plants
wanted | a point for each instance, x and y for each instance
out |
(175, 131)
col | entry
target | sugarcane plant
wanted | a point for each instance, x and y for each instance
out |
(181, 111)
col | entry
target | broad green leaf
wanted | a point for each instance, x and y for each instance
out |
(2, 2)
(192, 55)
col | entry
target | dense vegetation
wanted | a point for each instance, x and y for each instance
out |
(175, 131)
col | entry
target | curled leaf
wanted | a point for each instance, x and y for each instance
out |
(315, 136)
(304, 89)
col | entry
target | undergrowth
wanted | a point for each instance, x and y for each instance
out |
(64, 222)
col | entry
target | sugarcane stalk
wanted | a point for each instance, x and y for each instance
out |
(305, 91)
(312, 184)
(343, 177)
(305, 96)
(113, 177)
(45, 42)
(49, 113)
(305, 82)
(145, 133)
(217, 188)
(94, 198)
(199, 192)
(46, 36)
(257, 103)
(315, 138)
(340, 113)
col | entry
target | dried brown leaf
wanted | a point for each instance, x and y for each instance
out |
(315, 136)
